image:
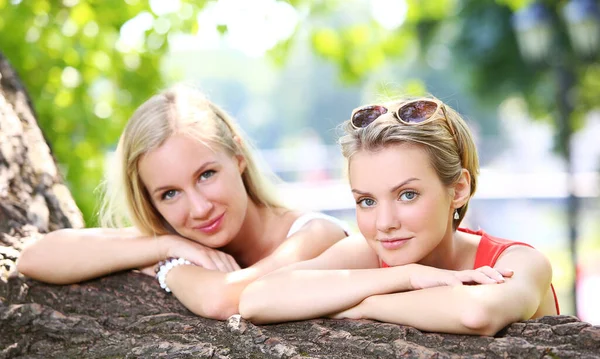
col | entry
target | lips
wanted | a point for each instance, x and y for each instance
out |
(393, 243)
(212, 226)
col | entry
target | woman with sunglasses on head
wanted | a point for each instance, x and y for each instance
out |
(413, 168)
(206, 221)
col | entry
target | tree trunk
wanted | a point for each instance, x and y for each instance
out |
(127, 315)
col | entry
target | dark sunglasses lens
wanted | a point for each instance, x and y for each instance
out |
(418, 111)
(366, 115)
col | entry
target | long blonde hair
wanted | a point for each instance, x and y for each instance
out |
(179, 109)
(448, 142)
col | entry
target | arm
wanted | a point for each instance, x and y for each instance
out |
(338, 279)
(73, 255)
(482, 309)
(217, 295)
(312, 288)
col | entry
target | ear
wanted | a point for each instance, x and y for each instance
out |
(462, 189)
(239, 157)
(237, 140)
(241, 160)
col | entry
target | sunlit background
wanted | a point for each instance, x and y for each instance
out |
(525, 75)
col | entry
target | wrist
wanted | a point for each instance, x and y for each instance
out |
(165, 267)
(164, 243)
(407, 272)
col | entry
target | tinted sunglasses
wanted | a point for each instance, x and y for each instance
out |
(411, 113)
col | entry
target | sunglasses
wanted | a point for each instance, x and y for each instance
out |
(411, 113)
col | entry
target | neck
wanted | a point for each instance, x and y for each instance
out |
(251, 244)
(447, 253)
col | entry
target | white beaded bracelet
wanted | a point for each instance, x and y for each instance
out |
(165, 267)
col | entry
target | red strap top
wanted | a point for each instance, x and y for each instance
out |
(489, 250)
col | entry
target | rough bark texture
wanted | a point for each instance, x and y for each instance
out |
(126, 315)
(33, 197)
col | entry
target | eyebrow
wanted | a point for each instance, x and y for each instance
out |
(392, 190)
(195, 174)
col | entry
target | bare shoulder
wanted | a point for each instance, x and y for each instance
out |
(324, 227)
(524, 258)
(352, 252)
(315, 223)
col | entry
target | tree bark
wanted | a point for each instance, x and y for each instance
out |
(126, 315)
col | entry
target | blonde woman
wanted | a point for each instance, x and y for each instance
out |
(413, 168)
(205, 218)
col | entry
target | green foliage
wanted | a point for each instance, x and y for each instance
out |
(514, 4)
(84, 81)
(87, 70)
(483, 47)
(359, 49)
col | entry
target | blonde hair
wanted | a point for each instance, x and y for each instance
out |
(448, 142)
(178, 110)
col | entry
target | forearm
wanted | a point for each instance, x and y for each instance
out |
(73, 255)
(460, 309)
(301, 294)
(207, 293)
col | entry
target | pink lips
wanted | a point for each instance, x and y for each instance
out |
(212, 226)
(393, 243)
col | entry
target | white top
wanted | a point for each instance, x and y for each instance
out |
(307, 217)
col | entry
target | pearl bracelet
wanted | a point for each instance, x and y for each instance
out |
(165, 266)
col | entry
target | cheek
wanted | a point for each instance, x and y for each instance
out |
(420, 216)
(365, 220)
(175, 214)
(429, 215)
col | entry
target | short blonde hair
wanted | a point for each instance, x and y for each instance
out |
(448, 142)
(184, 110)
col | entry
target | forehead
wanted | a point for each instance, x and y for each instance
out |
(178, 157)
(389, 165)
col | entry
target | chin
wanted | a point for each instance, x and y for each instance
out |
(211, 241)
(395, 261)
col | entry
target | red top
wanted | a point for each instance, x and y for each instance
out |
(489, 250)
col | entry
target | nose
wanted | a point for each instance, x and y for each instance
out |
(200, 206)
(387, 218)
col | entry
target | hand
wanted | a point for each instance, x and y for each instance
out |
(208, 258)
(484, 275)
(428, 277)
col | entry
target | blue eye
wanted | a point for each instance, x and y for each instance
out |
(366, 202)
(168, 194)
(408, 196)
(206, 175)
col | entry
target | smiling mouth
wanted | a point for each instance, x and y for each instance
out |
(211, 226)
(393, 239)
(393, 243)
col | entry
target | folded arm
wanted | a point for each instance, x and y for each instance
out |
(481, 309)
(340, 278)
(217, 295)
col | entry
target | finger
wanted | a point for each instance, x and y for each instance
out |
(492, 273)
(204, 260)
(477, 277)
(234, 264)
(505, 272)
(219, 263)
(222, 261)
(228, 261)
(453, 281)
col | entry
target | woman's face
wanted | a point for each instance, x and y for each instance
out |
(199, 191)
(402, 208)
